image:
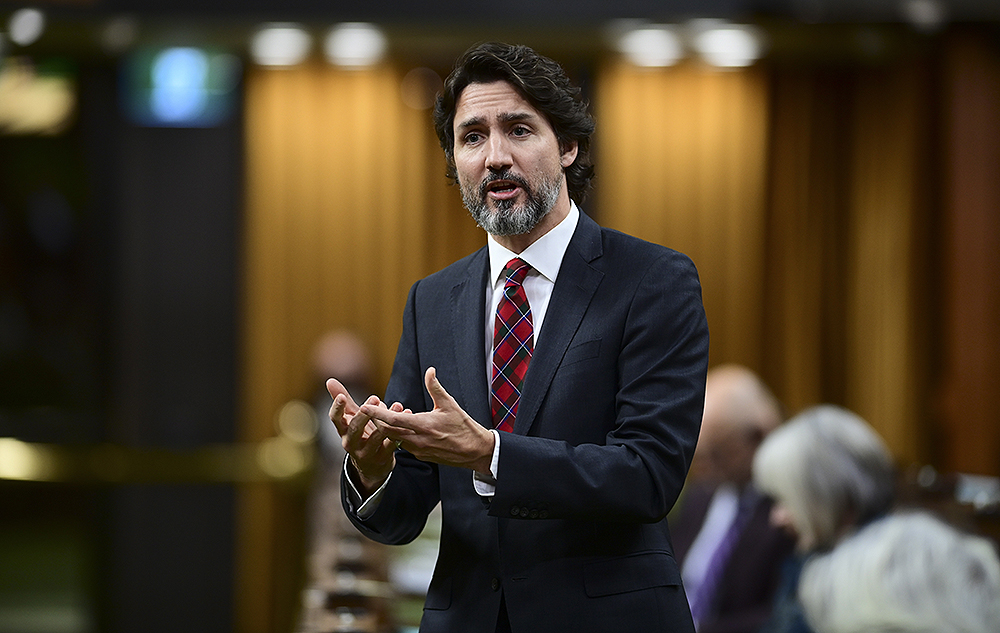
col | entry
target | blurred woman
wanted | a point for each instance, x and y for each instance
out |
(828, 473)
(908, 573)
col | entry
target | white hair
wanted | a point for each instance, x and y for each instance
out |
(907, 573)
(829, 469)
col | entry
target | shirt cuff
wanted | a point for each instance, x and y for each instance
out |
(486, 486)
(362, 508)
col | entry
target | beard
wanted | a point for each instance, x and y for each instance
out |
(508, 217)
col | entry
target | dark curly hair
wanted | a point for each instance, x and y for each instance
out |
(542, 82)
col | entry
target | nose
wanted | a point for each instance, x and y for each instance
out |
(498, 156)
(781, 517)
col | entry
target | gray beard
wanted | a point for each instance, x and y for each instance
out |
(509, 218)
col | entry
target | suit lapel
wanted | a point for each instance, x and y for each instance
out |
(468, 321)
(571, 296)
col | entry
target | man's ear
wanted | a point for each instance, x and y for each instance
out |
(569, 151)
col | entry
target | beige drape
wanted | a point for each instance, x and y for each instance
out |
(799, 204)
(346, 206)
(682, 161)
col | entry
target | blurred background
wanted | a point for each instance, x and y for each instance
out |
(193, 193)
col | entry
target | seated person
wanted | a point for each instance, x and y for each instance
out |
(908, 573)
(829, 473)
(730, 554)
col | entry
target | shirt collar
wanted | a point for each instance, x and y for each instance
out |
(544, 255)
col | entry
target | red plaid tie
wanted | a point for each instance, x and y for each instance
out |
(513, 342)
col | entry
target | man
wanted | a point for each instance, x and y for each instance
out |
(731, 555)
(575, 458)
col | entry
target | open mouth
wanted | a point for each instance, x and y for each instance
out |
(504, 186)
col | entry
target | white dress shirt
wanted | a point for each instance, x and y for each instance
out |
(545, 257)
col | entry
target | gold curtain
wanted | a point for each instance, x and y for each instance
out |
(887, 366)
(346, 206)
(848, 285)
(682, 161)
(797, 194)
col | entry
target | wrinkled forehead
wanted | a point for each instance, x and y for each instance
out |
(481, 103)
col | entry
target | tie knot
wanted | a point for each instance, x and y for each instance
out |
(515, 271)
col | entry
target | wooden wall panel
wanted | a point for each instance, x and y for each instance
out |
(970, 429)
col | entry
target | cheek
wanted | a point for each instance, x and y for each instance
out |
(466, 175)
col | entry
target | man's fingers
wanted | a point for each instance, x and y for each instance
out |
(360, 421)
(337, 413)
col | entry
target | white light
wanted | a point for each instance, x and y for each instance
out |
(24, 461)
(728, 46)
(925, 15)
(26, 26)
(354, 44)
(280, 45)
(651, 46)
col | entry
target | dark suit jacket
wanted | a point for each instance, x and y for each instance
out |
(746, 593)
(575, 537)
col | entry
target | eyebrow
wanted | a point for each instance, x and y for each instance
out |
(503, 117)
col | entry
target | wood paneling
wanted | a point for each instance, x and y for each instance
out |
(970, 431)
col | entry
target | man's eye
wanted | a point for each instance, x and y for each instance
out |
(520, 131)
(473, 137)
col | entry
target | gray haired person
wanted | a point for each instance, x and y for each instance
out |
(907, 573)
(829, 473)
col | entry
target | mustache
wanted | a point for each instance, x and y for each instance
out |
(503, 175)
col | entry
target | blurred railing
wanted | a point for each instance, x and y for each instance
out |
(287, 456)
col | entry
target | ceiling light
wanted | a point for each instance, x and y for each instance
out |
(651, 46)
(280, 45)
(26, 26)
(925, 15)
(728, 45)
(354, 44)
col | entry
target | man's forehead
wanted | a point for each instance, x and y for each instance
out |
(498, 98)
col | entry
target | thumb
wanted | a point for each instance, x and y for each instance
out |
(438, 393)
(335, 387)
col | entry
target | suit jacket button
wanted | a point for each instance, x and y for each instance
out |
(533, 514)
(495, 583)
(524, 512)
(514, 510)
(544, 514)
